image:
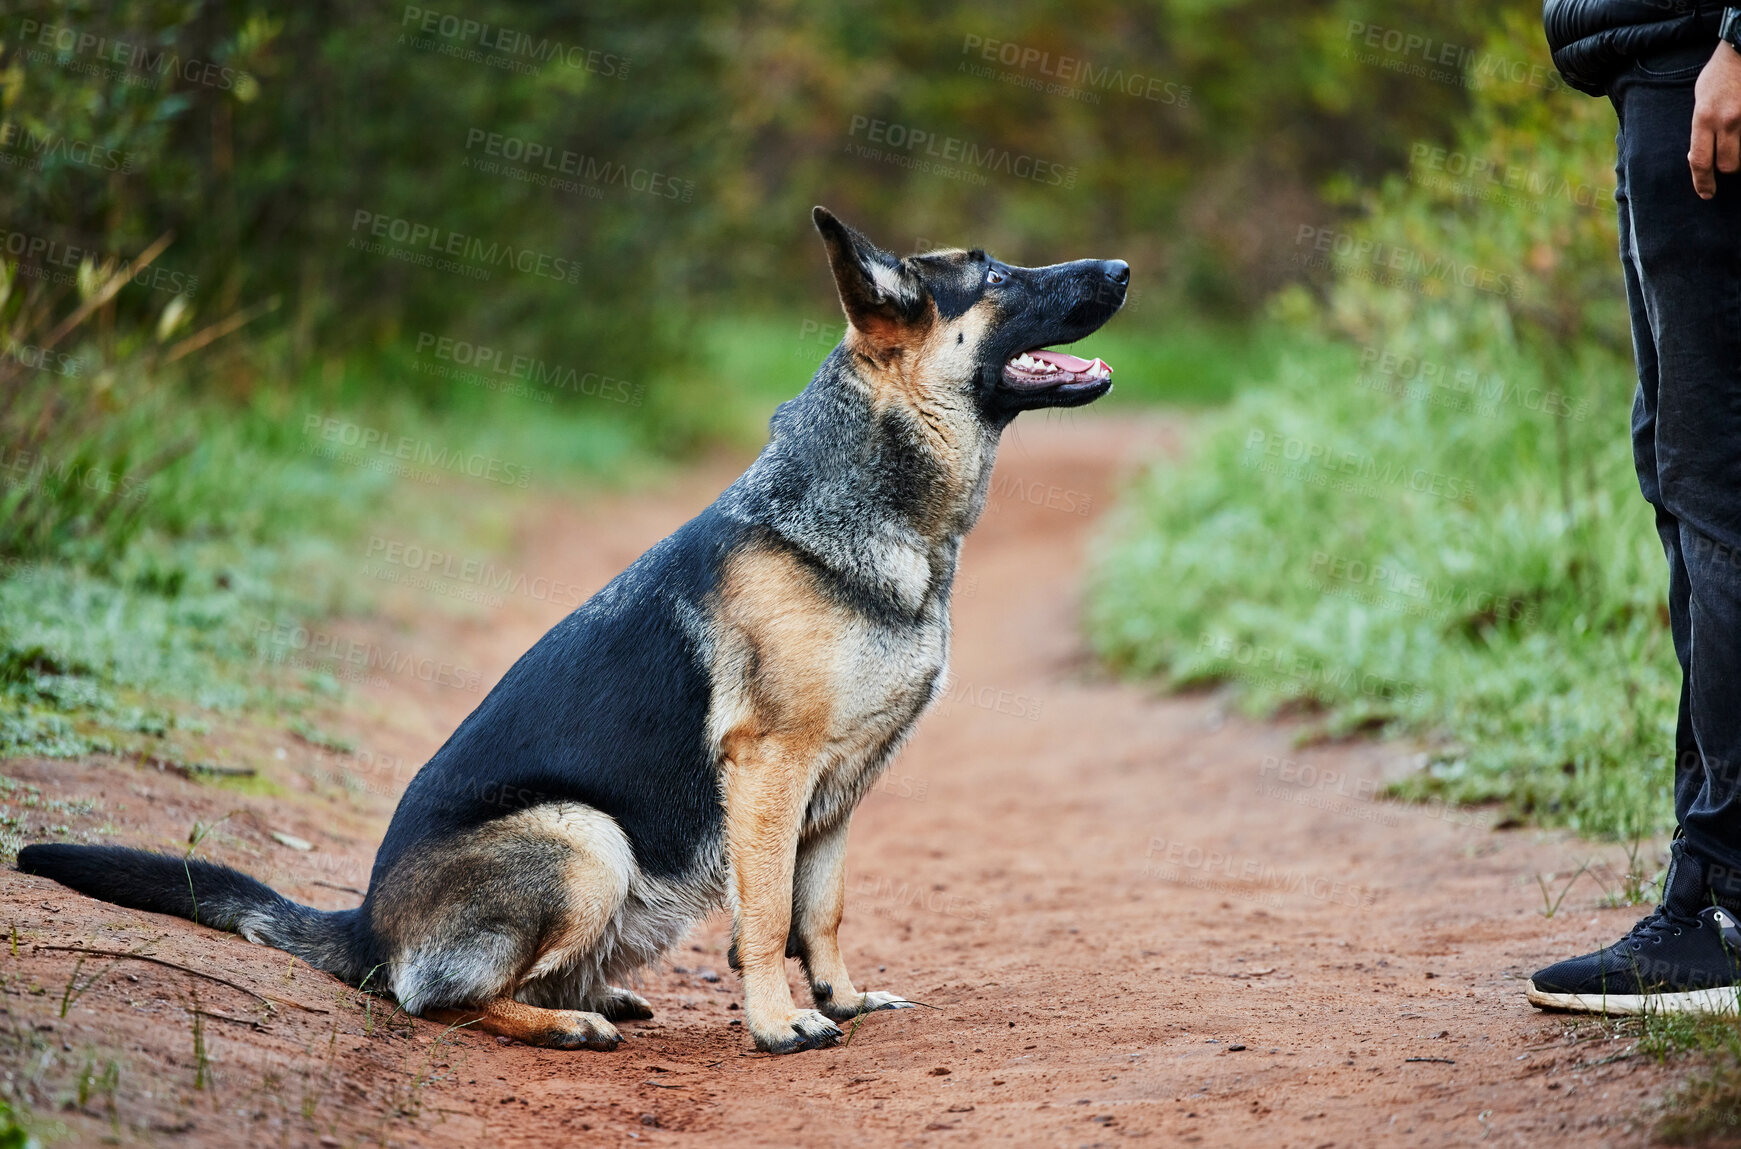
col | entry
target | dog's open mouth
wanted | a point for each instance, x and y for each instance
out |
(1052, 369)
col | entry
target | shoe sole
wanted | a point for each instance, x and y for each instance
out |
(1726, 999)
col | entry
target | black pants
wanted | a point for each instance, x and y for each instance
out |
(1682, 258)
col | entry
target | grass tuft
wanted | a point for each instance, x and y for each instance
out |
(1705, 1108)
(1392, 566)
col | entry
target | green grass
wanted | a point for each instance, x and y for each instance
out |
(1704, 1048)
(13, 1133)
(126, 627)
(1395, 563)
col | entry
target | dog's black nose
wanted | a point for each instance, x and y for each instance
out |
(1117, 270)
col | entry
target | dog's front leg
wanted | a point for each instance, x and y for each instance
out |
(766, 787)
(819, 901)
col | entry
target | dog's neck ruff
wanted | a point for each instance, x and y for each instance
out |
(832, 485)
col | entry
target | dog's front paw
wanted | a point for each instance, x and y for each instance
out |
(847, 1008)
(801, 1029)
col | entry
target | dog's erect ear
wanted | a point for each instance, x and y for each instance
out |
(881, 296)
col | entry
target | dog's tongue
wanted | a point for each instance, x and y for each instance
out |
(1053, 368)
(1065, 362)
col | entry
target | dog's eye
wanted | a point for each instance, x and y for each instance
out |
(993, 276)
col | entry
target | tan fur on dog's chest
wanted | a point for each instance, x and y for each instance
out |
(833, 688)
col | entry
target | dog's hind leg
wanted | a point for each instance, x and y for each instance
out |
(818, 902)
(485, 928)
(619, 1004)
(551, 1028)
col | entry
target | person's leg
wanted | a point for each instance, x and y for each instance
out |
(1683, 265)
(1681, 257)
(1689, 771)
(1713, 690)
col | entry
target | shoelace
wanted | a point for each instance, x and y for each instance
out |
(1659, 922)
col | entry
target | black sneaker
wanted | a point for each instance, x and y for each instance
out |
(1682, 958)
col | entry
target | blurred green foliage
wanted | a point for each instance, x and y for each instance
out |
(1437, 531)
(330, 180)
(1190, 136)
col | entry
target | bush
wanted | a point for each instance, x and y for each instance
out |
(1436, 529)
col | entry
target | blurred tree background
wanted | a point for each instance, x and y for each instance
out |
(1193, 138)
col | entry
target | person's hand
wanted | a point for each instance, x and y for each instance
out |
(1716, 120)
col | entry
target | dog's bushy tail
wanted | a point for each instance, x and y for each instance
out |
(212, 895)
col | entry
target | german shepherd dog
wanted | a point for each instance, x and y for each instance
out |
(699, 732)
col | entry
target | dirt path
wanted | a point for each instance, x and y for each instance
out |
(1139, 920)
